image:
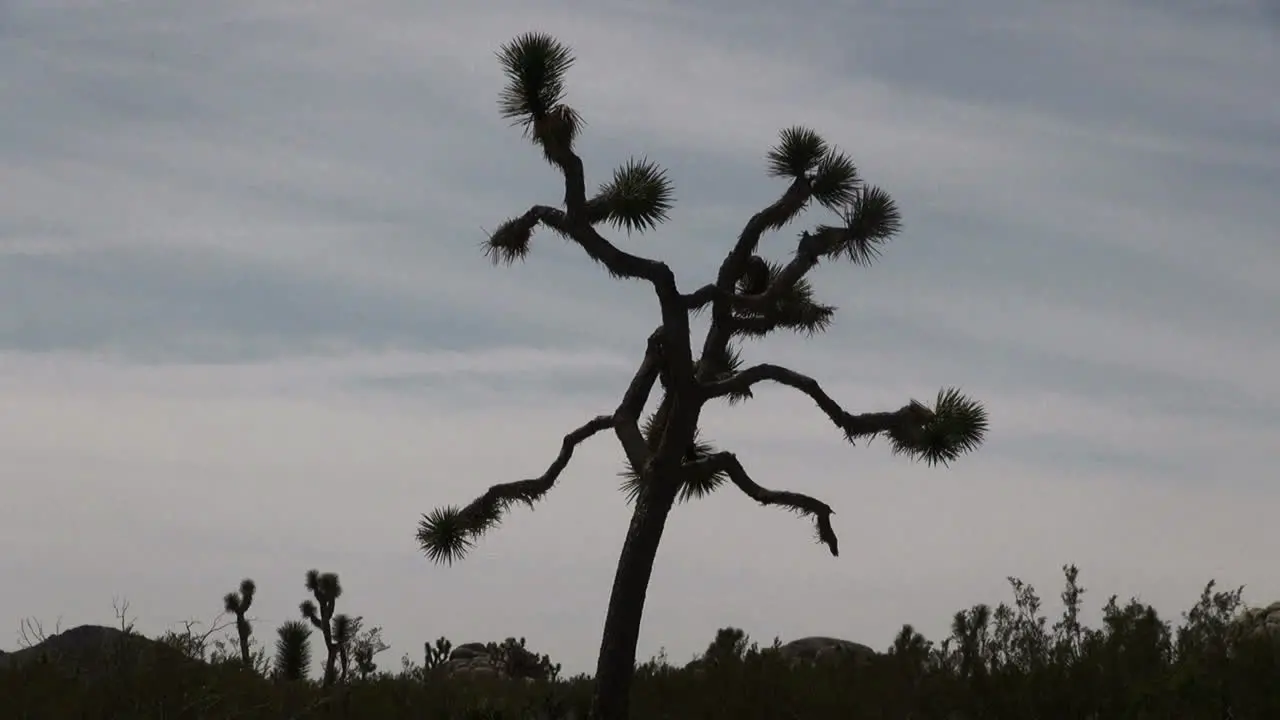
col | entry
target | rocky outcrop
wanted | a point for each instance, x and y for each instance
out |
(1260, 621)
(825, 649)
(473, 660)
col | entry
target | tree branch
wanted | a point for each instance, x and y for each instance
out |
(727, 463)
(627, 417)
(721, 292)
(809, 250)
(511, 241)
(446, 534)
(913, 414)
(534, 488)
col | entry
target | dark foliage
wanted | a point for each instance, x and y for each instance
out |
(1002, 663)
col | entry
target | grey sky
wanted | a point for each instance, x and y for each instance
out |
(246, 329)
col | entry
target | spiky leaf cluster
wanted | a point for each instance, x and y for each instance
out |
(835, 180)
(958, 426)
(344, 629)
(695, 485)
(869, 221)
(798, 152)
(237, 603)
(293, 651)
(447, 534)
(637, 198)
(723, 366)
(326, 589)
(795, 310)
(535, 65)
(511, 240)
(803, 153)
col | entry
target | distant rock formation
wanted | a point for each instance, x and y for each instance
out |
(473, 660)
(92, 651)
(1260, 621)
(823, 649)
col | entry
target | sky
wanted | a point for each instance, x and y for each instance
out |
(246, 328)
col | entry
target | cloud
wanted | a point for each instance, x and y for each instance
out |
(248, 329)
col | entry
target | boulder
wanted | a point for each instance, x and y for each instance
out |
(823, 649)
(1260, 621)
(473, 660)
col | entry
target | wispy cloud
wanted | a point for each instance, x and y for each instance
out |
(243, 294)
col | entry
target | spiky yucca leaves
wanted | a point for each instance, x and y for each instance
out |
(796, 310)
(345, 628)
(696, 485)
(535, 65)
(238, 604)
(803, 154)
(637, 198)
(835, 181)
(293, 651)
(958, 425)
(798, 152)
(446, 534)
(510, 241)
(870, 220)
(723, 366)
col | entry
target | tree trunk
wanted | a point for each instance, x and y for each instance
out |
(243, 632)
(617, 663)
(330, 671)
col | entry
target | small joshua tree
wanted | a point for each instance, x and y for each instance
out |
(750, 297)
(237, 603)
(333, 630)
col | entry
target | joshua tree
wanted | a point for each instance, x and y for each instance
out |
(335, 631)
(293, 651)
(238, 604)
(750, 297)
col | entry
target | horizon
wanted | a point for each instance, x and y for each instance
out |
(244, 297)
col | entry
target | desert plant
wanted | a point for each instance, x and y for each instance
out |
(433, 656)
(666, 459)
(190, 641)
(293, 651)
(237, 603)
(517, 661)
(366, 643)
(335, 631)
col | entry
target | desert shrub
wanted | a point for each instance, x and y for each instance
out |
(1001, 662)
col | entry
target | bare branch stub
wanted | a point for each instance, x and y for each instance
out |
(859, 425)
(729, 464)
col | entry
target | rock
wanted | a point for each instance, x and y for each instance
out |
(473, 660)
(823, 649)
(1260, 621)
(469, 651)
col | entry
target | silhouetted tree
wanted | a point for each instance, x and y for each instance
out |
(336, 631)
(238, 604)
(750, 297)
